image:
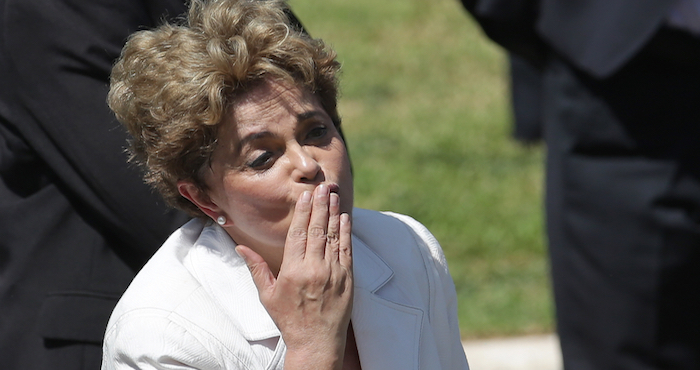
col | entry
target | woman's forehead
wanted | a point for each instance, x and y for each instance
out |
(273, 103)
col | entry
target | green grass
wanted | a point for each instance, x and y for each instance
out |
(426, 114)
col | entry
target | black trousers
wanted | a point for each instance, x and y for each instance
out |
(623, 209)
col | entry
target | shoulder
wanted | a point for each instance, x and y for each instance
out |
(420, 278)
(374, 223)
(164, 273)
(163, 288)
(169, 313)
(387, 229)
(404, 244)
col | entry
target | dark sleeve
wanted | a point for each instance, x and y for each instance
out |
(58, 56)
(511, 24)
(526, 98)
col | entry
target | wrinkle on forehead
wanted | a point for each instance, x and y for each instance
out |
(259, 106)
(271, 93)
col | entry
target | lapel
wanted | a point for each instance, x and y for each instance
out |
(387, 333)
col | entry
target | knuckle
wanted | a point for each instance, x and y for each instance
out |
(317, 232)
(333, 237)
(298, 232)
(318, 276)
(310, 278)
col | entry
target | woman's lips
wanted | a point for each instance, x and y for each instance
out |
(333, 188)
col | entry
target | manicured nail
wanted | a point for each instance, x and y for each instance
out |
(306, 197)
(335, 200)
(323, 190)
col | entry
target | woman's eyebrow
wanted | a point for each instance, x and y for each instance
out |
(309, 114)
(253, 137)
(301, 117)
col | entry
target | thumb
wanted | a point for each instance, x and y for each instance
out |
(262, 276)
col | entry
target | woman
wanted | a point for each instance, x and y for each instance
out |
(234, 117)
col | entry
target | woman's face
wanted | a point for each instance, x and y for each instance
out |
(277, 143)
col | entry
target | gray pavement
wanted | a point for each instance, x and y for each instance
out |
(537, 352)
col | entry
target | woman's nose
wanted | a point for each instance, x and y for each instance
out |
(306, 168)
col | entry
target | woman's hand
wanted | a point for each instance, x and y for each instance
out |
(311, 298)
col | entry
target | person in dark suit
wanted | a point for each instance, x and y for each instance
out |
(76, 221)
(620, 86)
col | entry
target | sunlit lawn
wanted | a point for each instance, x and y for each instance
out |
(426, 115)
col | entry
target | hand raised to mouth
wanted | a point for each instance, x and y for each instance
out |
(310, 300)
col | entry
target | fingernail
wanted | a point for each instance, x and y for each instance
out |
(238, 250)
(335, 199)
(323, 190)
(344, 218)
(306, 197)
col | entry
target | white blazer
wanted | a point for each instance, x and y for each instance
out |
(194, 304)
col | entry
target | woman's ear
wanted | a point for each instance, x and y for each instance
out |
(190, 191)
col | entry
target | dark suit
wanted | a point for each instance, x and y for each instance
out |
(622, 127)
(76, 222)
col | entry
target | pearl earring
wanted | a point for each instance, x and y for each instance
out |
(221, 220)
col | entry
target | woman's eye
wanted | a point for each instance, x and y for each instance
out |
(261, 161)
(317, 132)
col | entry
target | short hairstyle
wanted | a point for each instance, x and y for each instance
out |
(173, 85)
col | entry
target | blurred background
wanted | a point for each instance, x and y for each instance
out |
(426, 111)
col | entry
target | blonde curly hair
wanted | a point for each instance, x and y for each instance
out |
(173, 85)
